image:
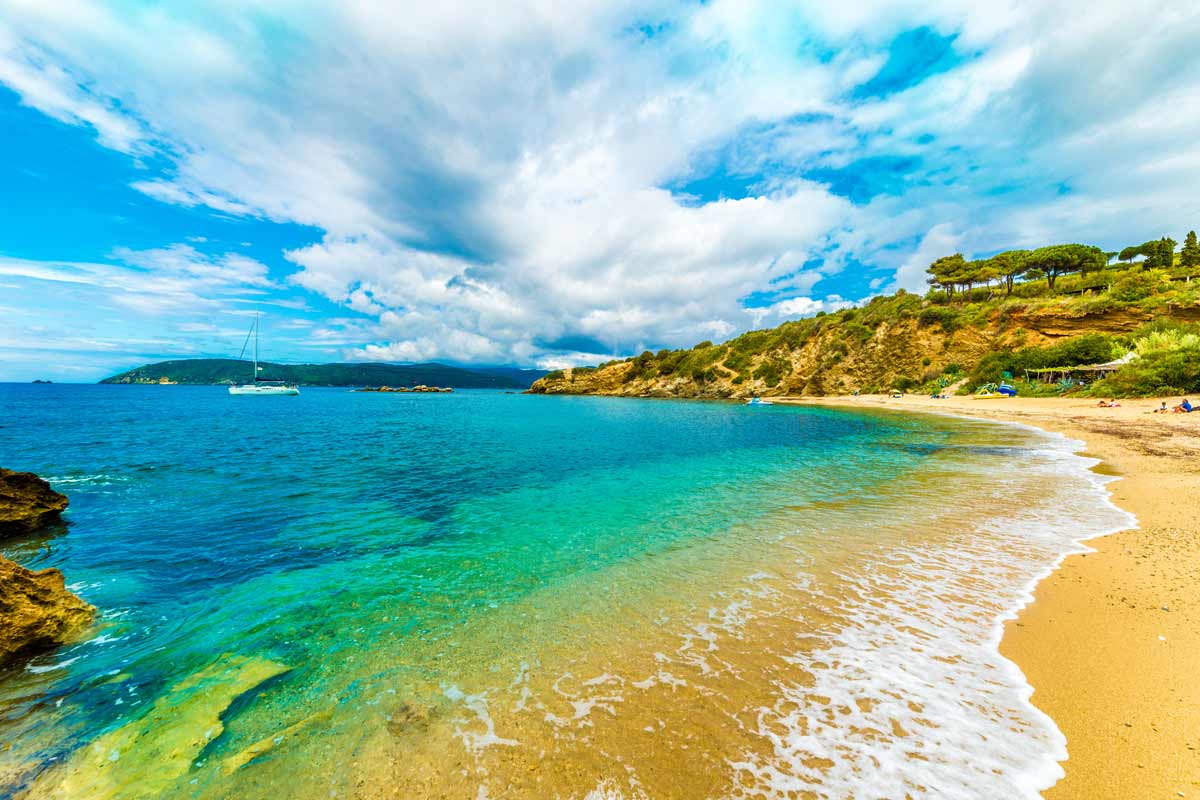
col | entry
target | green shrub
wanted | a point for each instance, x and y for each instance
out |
(1166, 340)
(752, 342)
(668, 361)
(772, 370)
(1091, 348)
(1136, 286)
(1163, 372)
(836, 348)
(948, 319)
(738, 362)
(855, 330)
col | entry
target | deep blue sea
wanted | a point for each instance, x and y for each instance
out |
(483, 594)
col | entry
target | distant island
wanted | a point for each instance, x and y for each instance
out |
(224, 371)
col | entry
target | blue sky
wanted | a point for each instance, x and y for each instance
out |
(568, 183)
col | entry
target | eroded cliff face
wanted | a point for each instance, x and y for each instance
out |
(36, 611)
(840, 359)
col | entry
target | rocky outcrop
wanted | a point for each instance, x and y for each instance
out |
(419, 389)
(37, 612)
(27, 503)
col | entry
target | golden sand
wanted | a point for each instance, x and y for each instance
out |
(1111, 643)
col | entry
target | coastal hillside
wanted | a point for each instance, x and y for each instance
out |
(206, 371)
(976, 325)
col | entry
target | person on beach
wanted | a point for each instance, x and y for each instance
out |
(1162, 409)
(1110, 404)
(1184, 407)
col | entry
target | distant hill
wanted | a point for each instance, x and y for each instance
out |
(525, 377)
(207, 371)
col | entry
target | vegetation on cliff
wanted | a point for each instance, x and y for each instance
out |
(1057, 306)
(206, 371)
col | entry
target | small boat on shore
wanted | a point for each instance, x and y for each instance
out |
(261, 386)
(991, 391)
(758, 401)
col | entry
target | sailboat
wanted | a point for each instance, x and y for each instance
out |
(260, 386)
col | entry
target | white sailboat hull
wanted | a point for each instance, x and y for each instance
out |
(260, 387)
(260, 390)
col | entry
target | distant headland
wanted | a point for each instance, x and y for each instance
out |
(223, 371)
(1061, 320)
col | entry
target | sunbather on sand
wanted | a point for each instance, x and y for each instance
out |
(1109, 404)
(1184, 407)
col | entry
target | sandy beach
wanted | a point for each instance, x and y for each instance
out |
(1111, 643)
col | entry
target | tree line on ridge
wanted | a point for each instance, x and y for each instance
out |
(955, 274)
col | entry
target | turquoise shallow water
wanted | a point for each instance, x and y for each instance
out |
(416, 544)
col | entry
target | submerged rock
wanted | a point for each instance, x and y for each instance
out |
(148, 756)
(36, 611)
(27, 503)
(269, 743)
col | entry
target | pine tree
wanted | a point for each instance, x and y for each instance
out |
(1166, 252)
(1190, 255)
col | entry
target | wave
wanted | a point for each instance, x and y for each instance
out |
(912, 695)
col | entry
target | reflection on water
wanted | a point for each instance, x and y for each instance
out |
(483, 595)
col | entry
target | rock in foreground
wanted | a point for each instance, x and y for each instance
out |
(36, 611)
(27, 503)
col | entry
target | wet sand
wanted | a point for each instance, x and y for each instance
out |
(1111, 643)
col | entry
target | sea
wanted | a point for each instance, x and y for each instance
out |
(495, 595)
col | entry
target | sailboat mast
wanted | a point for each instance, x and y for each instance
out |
(255, 348)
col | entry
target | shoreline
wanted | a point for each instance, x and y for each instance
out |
(1109, 637)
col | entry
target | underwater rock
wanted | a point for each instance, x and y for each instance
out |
(146, 757)
(407, 717)
(27, 503)
(245, 756)
(36, 611)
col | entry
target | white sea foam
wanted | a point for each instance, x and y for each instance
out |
(910, 696)
(608, 790)
(38, 669)
(104, 638)
(474, 740)
(98, 479)
(600, 692)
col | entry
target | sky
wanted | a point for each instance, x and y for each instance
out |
(552, 182)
